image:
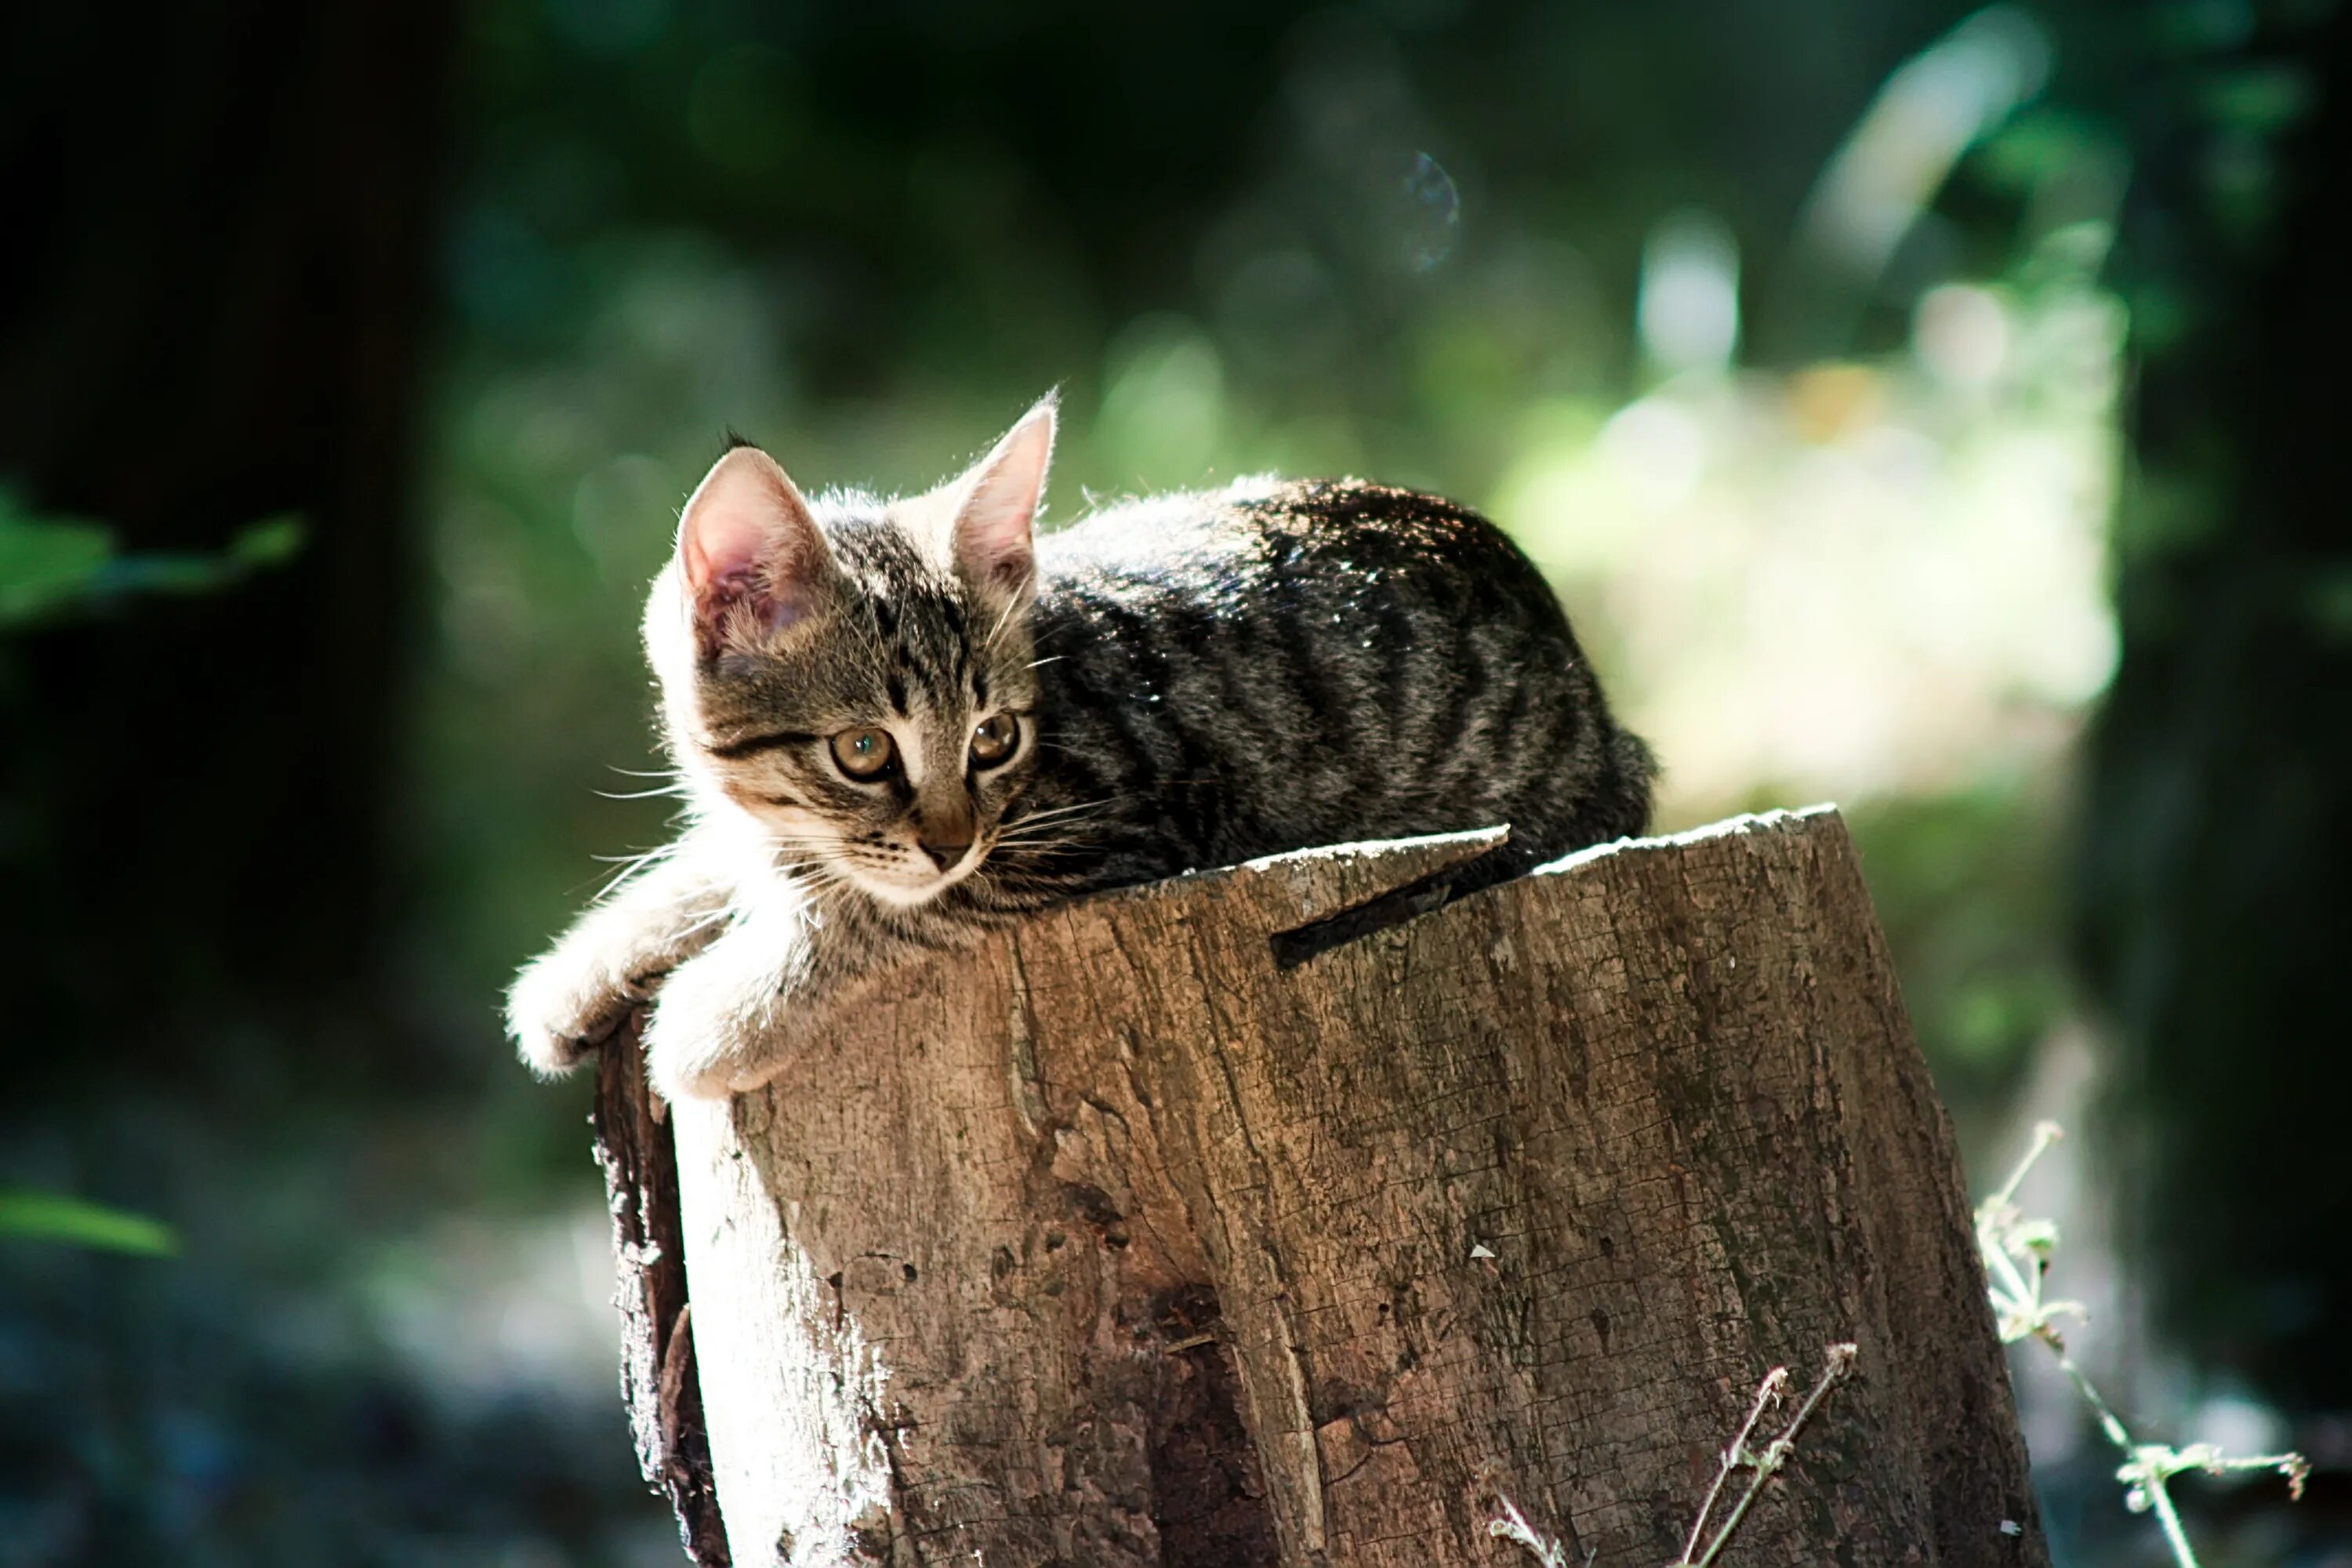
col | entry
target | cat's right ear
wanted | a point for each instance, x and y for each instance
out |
(751, 556)
(994, 503)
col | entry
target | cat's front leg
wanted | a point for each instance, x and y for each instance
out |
(719, 1017)
(729, 1019)
(569, 1001)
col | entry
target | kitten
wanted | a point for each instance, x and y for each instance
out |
(901, 721)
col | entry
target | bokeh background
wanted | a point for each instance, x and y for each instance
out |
(1930, 408)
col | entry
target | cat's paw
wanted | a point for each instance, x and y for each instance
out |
(677, 1078)
(707, 1038)
(561, 1009)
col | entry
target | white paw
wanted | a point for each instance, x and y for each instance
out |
(705, 1039)
(561, 1010)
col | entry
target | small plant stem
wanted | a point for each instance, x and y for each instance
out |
(1841, 1360)
(2148, 1467)
(1766, 1391)
(2045, 1133)
(2160, 1500)
(1514, 1527)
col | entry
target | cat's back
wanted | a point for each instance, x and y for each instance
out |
(1229, 548)
(1280, 664)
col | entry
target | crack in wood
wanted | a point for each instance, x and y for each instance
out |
(1422, 896)
(1209, 1498)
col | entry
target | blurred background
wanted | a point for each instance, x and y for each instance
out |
(1930, 408)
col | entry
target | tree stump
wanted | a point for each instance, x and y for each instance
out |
(1304, 1212)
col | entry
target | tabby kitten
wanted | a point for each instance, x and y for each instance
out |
(900, 722)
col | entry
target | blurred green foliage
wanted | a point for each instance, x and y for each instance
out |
(1790, 340)
(1964, 889)
(2217, 825)
(49, 1216)
(52, 566)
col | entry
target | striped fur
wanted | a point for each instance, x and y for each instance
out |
(1199, 678)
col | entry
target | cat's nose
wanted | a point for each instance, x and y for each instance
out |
(945, 852)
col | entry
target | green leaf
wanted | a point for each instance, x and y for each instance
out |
(272, 542)
(257, 547)
(50, 567)
(47, 563)
(50, 1216)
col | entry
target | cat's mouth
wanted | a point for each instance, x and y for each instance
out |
(917, 882)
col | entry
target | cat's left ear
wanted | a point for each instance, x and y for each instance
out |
(996, 503)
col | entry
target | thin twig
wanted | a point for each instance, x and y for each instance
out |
(2004, 1237)
(1513, 1527)
(2045, 1133)
(1766, 1393)
(1766, 1464)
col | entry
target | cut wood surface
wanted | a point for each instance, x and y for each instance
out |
(1303, 1213)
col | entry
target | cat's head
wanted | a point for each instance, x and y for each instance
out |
(854, 676)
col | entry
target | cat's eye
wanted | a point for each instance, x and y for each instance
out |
(865, 753)
(993, 740)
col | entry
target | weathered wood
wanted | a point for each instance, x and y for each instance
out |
(1153, 1233)
(659, 1378)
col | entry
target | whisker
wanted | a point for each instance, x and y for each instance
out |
(1003, 619)
(723, 913)
(657, 852)
(626, 866)
(1058, 813)
(1011, 831)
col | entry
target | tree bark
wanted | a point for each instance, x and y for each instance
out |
(1303, 1213)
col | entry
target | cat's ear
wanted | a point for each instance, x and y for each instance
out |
(751, 556)
(996, 503)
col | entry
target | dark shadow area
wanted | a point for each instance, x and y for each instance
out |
(1919, 406)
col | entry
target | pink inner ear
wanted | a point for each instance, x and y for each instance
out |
(999, 506)
(994, 547)
(722, 552)
(748, 549)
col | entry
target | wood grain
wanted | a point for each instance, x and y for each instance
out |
(658, 1378)
(1151, 1233)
